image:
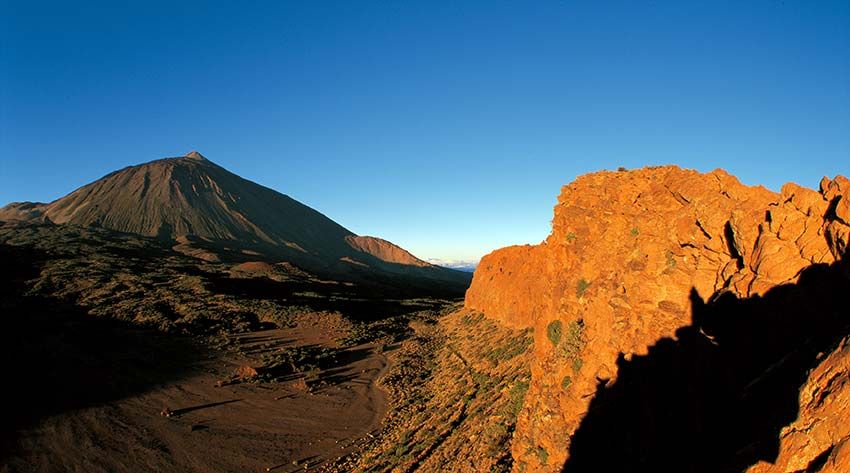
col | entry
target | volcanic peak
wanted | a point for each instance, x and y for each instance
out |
(195, 155)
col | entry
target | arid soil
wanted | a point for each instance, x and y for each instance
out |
(130, 356)
(245, 426)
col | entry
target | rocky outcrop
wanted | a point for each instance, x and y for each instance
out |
(818, 439)
(630, 256)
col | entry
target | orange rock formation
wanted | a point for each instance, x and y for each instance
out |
(615, 282)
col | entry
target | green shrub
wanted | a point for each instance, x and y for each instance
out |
(511, 348)
(472, 318)
(482, 380)
(581, 287)
(497, 433)
(635, 231)
(574, 342)
(543, 456)
(517, 394)
(671, 263)
(566, 382)
(577, 364)
(400, 450)
(554, 331)
(571, 237)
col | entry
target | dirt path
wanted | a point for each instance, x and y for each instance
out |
(234, 428)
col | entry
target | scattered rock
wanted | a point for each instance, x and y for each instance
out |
(301, 385)
(245, 372)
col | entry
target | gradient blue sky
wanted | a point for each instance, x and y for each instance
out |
(446, 127)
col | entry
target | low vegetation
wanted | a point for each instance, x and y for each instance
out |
(581, 287)
(671, 262)
(554, 331)
(461, 376)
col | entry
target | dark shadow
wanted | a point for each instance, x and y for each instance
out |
(186, 410)
(715, 399)
(362, 303)
(57, 357)
(335, 374)
(394, 279)
(302, 461)
(328, 364)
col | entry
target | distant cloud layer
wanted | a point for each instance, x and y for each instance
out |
(460, 265)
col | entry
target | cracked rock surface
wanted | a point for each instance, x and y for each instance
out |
(630, 257)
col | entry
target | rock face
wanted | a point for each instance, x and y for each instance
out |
(207, 208)
(818, 439)
(648, 267)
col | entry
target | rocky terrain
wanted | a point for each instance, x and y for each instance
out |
(682, 322)
(454, 392)
(199, 321)
(129, 355)
(672, 321)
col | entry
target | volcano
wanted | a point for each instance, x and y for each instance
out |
(211, 212)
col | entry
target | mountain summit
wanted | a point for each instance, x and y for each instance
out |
(195, 201)
(195, 155)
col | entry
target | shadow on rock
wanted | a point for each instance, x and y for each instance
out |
(715, 398)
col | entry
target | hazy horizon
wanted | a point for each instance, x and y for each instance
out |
(446, 129)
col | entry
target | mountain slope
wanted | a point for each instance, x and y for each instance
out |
(384, 250)
(192, 196)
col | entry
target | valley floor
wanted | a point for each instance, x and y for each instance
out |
(244, 426)
(123, 356)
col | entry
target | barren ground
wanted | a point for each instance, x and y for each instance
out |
(245, 426)
(104, 333)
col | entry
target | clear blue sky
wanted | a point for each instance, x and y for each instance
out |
(447, 128)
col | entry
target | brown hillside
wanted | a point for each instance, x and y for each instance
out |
(193, 196)
(215, 214)
(384, 250)
(22, 212)
(684, 310)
